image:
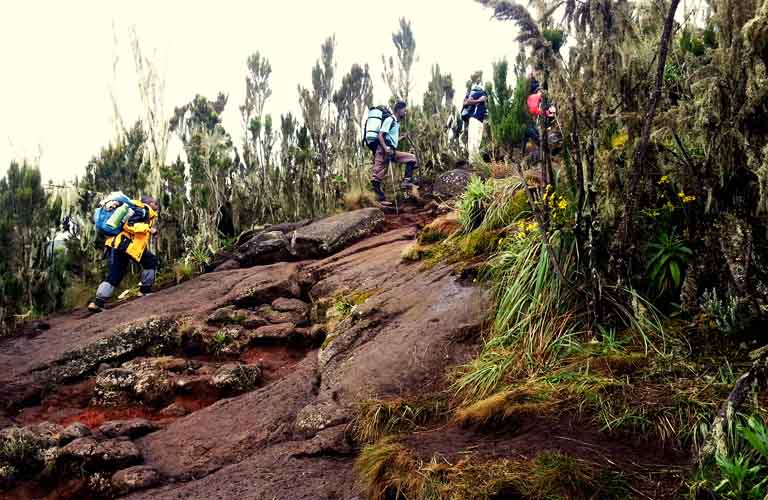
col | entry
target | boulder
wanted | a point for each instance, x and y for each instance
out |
(317, 416)
(281, 332)
(73, 431)
(279, 280)
(140, 380)
(314, 335)
(114, 387)
(92, 454)
(452, 183)
(134, 428)
(167, 363)
(284, 304)
(236, 377)
(47, 434)
(263, 248)
(329, 235)
(135, 478)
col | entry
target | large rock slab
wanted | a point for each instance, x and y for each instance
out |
(329, 235)
(452, 183)
(264, 248)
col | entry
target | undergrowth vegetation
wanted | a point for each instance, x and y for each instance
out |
(389, 471)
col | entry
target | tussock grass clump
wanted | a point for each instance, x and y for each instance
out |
(359, 198)
(378, 418)
(416, 252)
(509, 204)
(440, 228)
(508, 407)
(474, 202)
(535, 316)
(388, 471)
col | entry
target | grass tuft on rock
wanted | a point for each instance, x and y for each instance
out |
(378, 418)
(387, 470)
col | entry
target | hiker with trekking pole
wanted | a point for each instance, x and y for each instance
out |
(129, 227)
(381, 134)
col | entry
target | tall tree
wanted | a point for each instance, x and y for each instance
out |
(152, 93)
(29, 223)
(318, 113)
(397, 72)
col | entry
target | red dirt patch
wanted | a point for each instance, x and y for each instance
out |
(277, 361)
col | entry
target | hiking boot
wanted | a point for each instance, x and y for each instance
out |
(94, 307)
(380, 196)
(144, 290)
(407, 183)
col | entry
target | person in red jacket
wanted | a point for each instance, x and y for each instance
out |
(536, 111)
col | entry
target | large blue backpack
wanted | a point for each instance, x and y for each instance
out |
(113, 212)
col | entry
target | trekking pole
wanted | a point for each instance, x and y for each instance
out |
(394, 186)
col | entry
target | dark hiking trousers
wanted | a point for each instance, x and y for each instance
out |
(117, 262)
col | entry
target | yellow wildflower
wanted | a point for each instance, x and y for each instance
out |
(681, 195)
(562, 204)
(664, 180)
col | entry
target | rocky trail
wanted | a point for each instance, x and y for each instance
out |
(241, 382)
(245, 382)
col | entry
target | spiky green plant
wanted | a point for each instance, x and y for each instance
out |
(535, 315)
(669, 258)
(474, 203)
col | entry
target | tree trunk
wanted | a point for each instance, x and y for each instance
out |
(626, 228)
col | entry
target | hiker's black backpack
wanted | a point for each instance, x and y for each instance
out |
(372, 126)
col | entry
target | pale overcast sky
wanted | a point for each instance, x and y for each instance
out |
(57, 59)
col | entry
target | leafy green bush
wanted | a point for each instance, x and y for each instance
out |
(507, 112)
